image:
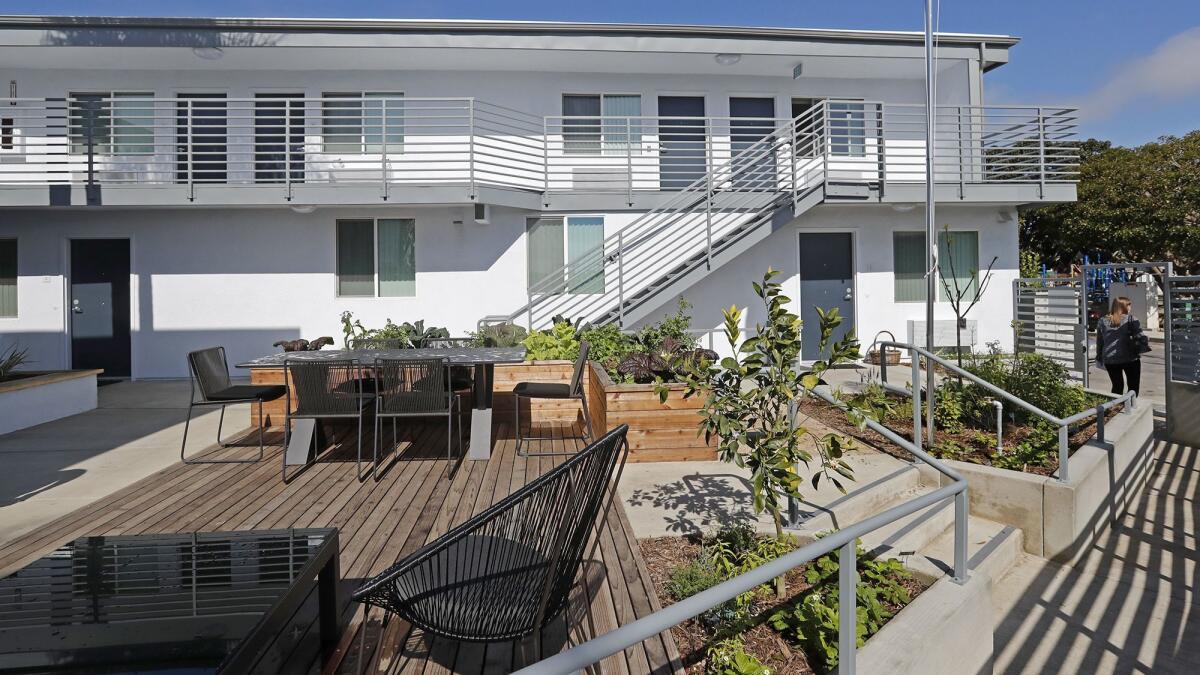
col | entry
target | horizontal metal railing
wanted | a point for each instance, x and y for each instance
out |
(844, 541)
(356, 139)
(1128, 399)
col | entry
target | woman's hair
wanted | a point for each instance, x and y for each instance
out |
(1121, 307)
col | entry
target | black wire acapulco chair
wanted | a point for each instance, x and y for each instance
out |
(325, 389)
(554, 390)
(209, 369)
(414, 388)
(507, 572)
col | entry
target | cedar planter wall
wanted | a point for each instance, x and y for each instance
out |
(658, 431)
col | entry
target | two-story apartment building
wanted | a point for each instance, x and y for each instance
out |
(170, 184)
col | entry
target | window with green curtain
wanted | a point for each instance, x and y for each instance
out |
(397, 257)
(585, 251)
(581, 134)
(544, 252)
(341, 122)
(383, 118)
(90, 117)
(133, 124)
(356, 257)
(622, 135)
(908, 261)
(958, 260)
(8, 277)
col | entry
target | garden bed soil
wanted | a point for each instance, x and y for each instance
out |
(967, 438)
(663, 555)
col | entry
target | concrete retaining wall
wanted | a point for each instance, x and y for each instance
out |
(30, 401)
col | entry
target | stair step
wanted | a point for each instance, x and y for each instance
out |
(855, 190)
(908, 535)
(991, 547)
(863, 501)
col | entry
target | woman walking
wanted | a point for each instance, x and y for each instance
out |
(1120, 345)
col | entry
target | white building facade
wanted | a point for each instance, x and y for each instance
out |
(168, 185)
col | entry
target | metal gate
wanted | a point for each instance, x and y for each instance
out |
(1050, 318)
(1182, 347)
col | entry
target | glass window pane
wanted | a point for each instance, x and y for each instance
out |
(581, 136)
(847, 129)
(544, 250)
(8, 277)
(133, 124)
(342, 123)
(89, 117)
(383, 114)
(356, 257)
(958, 263)
(622, 134)
(585, 251)
(397, 257)
(908, 259)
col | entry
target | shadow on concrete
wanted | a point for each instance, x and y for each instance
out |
(696, 503)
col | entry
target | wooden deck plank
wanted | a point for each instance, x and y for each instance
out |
(414, 501)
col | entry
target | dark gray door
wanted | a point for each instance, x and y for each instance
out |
(753, 119)
(100, 305)
(826, 281)
(681, 134)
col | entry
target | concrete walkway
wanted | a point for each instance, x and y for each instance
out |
(54, 468)
(1129, 604)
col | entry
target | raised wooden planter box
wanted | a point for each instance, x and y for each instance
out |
(35, 398)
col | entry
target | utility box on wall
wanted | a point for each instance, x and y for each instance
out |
(944, 333)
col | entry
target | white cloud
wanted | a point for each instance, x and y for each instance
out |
(1171, 71)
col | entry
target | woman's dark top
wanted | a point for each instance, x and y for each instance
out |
(1113, 343)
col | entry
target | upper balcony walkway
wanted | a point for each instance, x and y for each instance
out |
(128, 149)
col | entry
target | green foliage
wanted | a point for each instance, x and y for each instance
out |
(811, 620)
(749, 400)
(418, 335)
(499, 335)
(697, 576)
(1133, 204)
(873, 402)
(559, 343)
(410, 335)
(729, 657)
(11, 359)
(951, 400)
(1030, 264)
(676, 327)
(608, 345)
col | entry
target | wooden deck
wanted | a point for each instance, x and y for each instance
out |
(414, 501)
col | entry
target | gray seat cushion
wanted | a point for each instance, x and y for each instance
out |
(245, 392)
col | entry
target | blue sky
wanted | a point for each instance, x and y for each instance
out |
(1134, 66)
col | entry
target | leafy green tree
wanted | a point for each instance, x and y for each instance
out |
(1135, 204)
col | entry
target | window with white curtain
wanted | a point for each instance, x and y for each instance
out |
(376, 257)
(601, 123)
(8, 277)
(363, 122)
(577, 240)
(908, 260)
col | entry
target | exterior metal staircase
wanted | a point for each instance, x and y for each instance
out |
(765, 182)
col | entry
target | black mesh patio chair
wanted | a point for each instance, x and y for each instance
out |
(209, 371)
(462, 378)
(414, 388)
(507, 572)
(554, 390)
(322, 390)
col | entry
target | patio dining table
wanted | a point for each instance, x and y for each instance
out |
(482, 359)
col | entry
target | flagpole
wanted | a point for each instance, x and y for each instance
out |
(930, 228)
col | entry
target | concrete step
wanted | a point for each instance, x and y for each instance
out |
(859, 503)
(905, 537)
(991, 547)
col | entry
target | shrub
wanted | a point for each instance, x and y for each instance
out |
(697, 576)
(11, 359)
(729, 657)
(560, 342)
(608, 345)
(499, 335)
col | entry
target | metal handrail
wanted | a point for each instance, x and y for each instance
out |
(1129, 399)
(844, 540)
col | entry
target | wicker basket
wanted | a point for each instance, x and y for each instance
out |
(893, 357)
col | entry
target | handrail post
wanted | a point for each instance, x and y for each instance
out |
(916, 397)
(1063, 453)
(621, 279)
(546, 161)
(708, 190)
(882, 152)
(963, 160)
(1041, 153)
(287, 147)
(826, 141)
(383, 148)
(847, 608)
(471, 146)
(628, 160)
(961, 513)
(190, 167)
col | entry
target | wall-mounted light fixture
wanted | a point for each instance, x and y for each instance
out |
(727, 59)
(208, 53)
(303, 208)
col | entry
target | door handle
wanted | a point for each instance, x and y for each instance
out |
(75, 307)
(849, 294)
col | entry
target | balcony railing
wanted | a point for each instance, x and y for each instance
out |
(390, 140)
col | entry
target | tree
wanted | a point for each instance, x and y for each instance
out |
(962, 299)
(1135, 204)
(749, 402)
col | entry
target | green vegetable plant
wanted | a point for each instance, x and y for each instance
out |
(499, 335)
(728, 657)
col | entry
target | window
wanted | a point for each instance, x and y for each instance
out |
(581, 242)
(908, 256)
(8, 277)
(376, 257)
(585, 133)
(363, 122)
(847, 129)
(115, 123)
(6, 133)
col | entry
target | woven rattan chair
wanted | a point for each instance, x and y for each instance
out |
(209, 372)
(322, 390)
(554, 390)
(414, 388)
(507, 572)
